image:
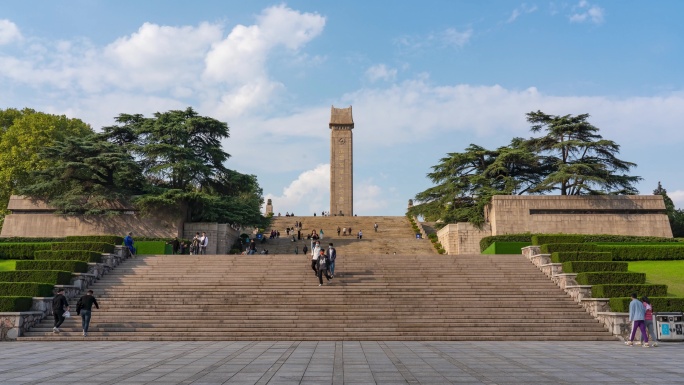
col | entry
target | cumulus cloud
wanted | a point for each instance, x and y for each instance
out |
(677, 197)
(448, 38)
(369, 199)
(381, 72)
(521, 10)
(9, 32)
(586, 12)
(310, 192)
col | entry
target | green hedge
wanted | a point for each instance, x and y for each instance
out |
(593, 266)
(506, 248)
(621, 304)
(100, 247)
(55, 277)
(610, 277)
(150, 247)
(68, 255)
(487, 241)
(26, 289)
(594, 238)
(73, 266)
(113, 239)
(626, 290)
(21, 250)
(644, 253)
(15, 303)
(542, 239)
(30, 240)
(554, 247)
(585, 256)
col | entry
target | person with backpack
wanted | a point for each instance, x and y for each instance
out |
(322, 265)
(60, 305)
(332, 255)
(648, 321)
(84, 307)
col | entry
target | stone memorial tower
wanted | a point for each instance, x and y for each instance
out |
(341, 162)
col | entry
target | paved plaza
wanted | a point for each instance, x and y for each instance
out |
(350, 362)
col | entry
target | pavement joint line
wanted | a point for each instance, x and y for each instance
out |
(217, 365)
(454, 362)
(398, 364)
(338, 365)
(278, 364)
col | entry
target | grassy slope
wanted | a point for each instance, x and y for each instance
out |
(670, 273)
(7, 265)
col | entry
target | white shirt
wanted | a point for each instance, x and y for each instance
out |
(315, 252)
(204, 241)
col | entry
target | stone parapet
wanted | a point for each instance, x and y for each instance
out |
(595, 305)
(462, 238)
(578, 292)
(42, 304)
(561, 279)
(14, 324)
(551, 269)
(617, 323)
(83, 280)
(529, 251)
(540, 260)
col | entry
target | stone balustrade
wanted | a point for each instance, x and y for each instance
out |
(540, 259)
(551, 269)
(564, 280)
(530, 251)
(595, 305)
(578, 292)
(14, 324)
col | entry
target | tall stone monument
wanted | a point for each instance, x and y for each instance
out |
(341, 162)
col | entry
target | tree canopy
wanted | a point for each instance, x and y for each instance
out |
(570, 158)
(675, 216)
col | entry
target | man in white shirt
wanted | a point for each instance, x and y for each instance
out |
(315, 251)
(204, 242)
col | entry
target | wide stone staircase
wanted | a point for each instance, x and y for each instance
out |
(372, 297)
(394, 235)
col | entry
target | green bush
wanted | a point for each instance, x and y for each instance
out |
(626, 290)
(506, 248)
(113, 239)
(586, 256)
(68, 255)
(21, 250)
(593, 266)
(30, 240)
(26, 289)
(54, 277)
(609, 277)
(554, 247)
(644, 253)
(594, 238)
(621, 304)
(542, 239)
(150, 247)
(487, 241)
(100, 247)
(73, 266)
(12, 304)
(441, 251)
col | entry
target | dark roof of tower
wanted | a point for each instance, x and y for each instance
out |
(341, 116)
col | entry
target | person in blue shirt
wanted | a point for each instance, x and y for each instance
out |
(637, 313)
(128, 242)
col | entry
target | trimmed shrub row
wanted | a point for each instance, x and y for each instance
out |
(26, 289)
(74, 266)
(593, 266)
(506, 248)
(610, 277)
(582, 256)
(644, 253)
(113, 239)
(14, 303)
(621, 304)
(68, 255)
(30, 240)
(542, 239)
(151, 247)
(100, 247)
(487, 241)
(553, 247)
(21, 250)
(625, 290)
(54, 277)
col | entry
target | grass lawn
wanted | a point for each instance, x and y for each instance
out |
(670, 273)
(7, 265)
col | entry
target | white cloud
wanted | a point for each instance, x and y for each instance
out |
(9, 32)
(381, 72)
(586, 12)
(448, 38)
(368, 198)
(521, 10)
(677, 197)
(310, 191)
(454, 38)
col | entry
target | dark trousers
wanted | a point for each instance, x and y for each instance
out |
(320, 275)
(59, 318)
(313, 265)
(85, 319)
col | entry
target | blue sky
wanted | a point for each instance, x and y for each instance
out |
(424, 79)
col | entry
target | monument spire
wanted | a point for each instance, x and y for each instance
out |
(341, 162)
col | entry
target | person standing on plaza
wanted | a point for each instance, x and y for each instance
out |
(332, 256)
(323, 264)
(84, 307)
(204, 242)
(194, 246)
(648, 321)
(60, 305)
(637, 312)
(252, 247)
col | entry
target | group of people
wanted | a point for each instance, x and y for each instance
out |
(323, 261)
(287, 214)
(641, 317)
(84, 308)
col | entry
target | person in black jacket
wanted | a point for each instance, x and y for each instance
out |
(59, 306)
(84, 307)
(322, 267)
